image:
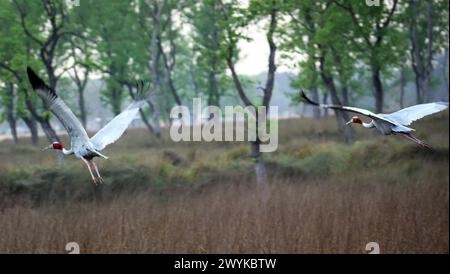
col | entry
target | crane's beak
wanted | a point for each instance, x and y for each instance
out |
(48, 147)
(349, 122)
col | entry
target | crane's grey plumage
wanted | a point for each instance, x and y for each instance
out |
(82, 146)
(117, 126)
(408, 115)
(393, 123)
(78, 135)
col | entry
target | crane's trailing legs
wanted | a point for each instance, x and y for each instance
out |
(99, 177)
(413, 138)
(88, 164)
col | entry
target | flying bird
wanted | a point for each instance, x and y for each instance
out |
(82, 146)
(395, 123)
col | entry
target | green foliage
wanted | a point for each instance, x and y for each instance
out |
(111, 39)
(210, 64)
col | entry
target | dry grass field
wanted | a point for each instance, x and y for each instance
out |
(165, 197)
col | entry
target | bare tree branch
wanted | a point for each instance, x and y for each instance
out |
(24, 25)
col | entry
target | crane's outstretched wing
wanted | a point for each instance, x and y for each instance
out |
(57, 107)
(361, 111)
(410, 114)
(117, 126)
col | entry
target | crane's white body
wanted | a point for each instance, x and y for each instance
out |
(82, 146)
(387, 126)
(393, 123)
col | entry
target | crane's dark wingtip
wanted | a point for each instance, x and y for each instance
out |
(37, 83)
(142, 90)
(306, 99)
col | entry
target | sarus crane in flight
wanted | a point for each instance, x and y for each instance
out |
(82, 146)
(395, 123)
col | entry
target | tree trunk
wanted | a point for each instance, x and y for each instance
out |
(146, 122)
(260, 166)
(13, 127)
(32, 127)
(325, 101)
(378, 89)
(402, 86)
(49, 131)
(427, 89)
(82, 108)
(429, 57)
(31, 122)
(116, 106)
(156, 16)
(193, 76)
(338, 60)
(444, 70)
(345, 100)
(213, 91)
(80, 83)
(302, 113)
(341, 116)
(314, 90)
(44, 122)
(169, 72)
(315, 96)
(417, 64)
(419, 89)
(10, 113)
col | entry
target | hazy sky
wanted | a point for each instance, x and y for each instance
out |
(254, 54)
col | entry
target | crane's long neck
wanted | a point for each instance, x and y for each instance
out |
(67, 152)
(368, 125)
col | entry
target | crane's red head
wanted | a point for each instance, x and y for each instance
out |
(355, 120)
(57, 145)
(54, 145)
